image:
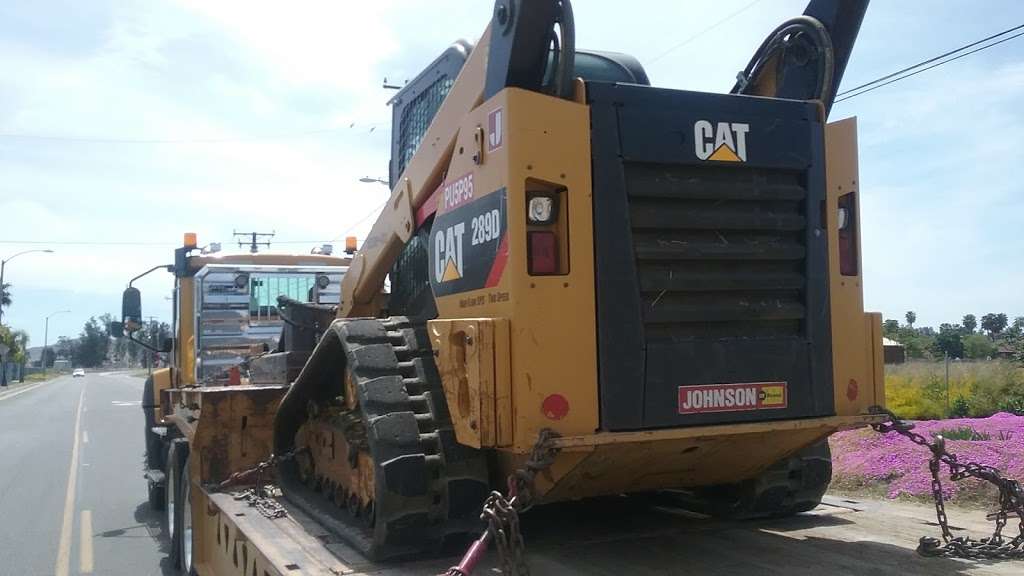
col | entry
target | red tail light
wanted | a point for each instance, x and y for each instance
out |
(543, 253)
(847, 222)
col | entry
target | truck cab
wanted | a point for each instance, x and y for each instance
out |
(227, 310)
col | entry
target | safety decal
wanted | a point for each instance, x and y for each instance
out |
(721, 141)
(733, 397)
(468, 246)
(495, 133)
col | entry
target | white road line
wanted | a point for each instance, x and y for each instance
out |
(85, 546)
(67, 527)
(85, 436)
(13, 393)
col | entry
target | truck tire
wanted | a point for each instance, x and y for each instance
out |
(793, 485)
(177, 455)
(185, 542)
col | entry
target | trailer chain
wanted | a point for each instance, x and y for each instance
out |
(1011, 500)
(263, 497)
(502, 513)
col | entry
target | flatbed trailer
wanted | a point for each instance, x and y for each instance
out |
(842, 537)
(229, 430)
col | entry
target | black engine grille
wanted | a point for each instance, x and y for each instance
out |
(708, 272)
(720, 252)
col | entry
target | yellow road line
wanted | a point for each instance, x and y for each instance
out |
(12, 394)
(67, 527)
(85, 546)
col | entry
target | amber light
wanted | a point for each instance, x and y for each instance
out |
(190, 240)
(543, 253)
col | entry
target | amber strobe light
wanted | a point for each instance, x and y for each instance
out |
(543, 253)
(190, 240)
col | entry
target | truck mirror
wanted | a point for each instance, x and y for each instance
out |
(131, 310)
(117, 329)
(167, 345)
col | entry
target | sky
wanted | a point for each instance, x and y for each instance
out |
(125, 123)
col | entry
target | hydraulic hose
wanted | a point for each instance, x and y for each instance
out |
(775, 45)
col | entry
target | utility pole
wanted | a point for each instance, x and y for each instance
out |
(253, 240)
(46, 335)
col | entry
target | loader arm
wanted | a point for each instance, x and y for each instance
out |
(425, 172)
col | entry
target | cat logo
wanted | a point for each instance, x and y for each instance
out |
(722, 142)
(448, 253)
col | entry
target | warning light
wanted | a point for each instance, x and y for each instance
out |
(542, 255)
(350, 245)
(190, 240)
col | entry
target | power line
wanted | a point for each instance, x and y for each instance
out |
(164, 141)
(703, 32)
(874, 83)
(930, 60)
(361, 220)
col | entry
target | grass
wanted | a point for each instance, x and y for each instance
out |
(917, 390)
(961, 433)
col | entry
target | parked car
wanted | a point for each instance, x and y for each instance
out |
(78, 372)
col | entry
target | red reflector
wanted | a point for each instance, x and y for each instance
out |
(555, 407)
(543, 253)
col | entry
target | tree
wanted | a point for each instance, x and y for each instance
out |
(49, 356)
(1016, 330)
(978, 347)
(970, 323)
(5, 294)
(911, 318)
(93, 344)
(949, 341)
(994, 324)
(890, 327)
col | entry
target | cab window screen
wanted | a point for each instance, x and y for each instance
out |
(416, 119)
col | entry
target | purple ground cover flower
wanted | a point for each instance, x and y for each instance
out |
(870, 458)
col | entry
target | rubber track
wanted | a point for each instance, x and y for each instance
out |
(427, 486)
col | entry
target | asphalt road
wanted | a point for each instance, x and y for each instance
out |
(72, 499)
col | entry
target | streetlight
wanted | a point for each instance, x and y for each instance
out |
(46, 335)
(3, 264)
(368, 180)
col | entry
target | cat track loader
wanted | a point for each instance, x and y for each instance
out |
(668, 281)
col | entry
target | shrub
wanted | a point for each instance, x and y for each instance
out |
(962, 433)
(917, 390)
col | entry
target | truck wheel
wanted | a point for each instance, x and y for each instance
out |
(793, 485)
(177, 455)
(185, 522)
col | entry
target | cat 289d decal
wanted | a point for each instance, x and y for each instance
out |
(467, 244)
